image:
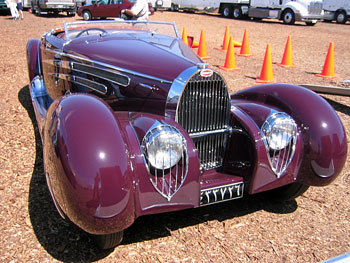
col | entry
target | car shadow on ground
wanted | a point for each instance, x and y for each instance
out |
(338, 106)
(66, 242)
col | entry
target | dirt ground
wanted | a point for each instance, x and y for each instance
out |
(312, 228)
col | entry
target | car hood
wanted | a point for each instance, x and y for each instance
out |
(159, 56)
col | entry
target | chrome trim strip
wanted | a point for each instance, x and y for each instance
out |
(179, 84)
(58, 208)
(89, 84)
(206, 133)
(88, 67)
(67, 24)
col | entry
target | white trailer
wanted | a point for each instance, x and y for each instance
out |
(289, 11)
(338, 10)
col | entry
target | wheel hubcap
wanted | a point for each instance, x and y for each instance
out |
(288, 18)
(226, 12)
(86, 16)
(340, 17)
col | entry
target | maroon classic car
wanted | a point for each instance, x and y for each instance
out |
(134, 123)
(106, 8)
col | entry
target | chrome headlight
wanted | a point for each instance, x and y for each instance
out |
(164, 146)
(279, 132)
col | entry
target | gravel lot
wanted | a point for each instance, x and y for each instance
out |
(312, 228)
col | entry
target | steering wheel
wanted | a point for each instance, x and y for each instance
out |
(91, 29)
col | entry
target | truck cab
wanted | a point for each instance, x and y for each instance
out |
(289, 11)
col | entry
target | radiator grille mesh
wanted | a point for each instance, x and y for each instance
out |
(203, 111)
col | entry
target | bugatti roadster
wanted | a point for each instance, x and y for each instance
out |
(134, 123)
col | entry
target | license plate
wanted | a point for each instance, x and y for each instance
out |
(221, 193)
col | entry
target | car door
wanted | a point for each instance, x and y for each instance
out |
(99, 8)
(113, 8)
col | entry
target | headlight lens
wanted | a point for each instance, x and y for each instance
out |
(279, 130)
(164, 146)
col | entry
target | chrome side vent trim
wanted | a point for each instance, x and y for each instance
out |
(105, 74)
(204, 112)
(98, 87)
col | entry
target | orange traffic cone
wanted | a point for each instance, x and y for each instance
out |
(202, 49)
(237, 44)
(266, 75)
(230, 62)
(245, 52)
(287, 61)
(184, 36)
(195, 44)
(328, 68)
(225, 43)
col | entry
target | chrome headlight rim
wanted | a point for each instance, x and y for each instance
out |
(280, 141)
(268, 129)
(159, 132)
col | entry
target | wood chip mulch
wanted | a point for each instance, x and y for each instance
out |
(312, 228)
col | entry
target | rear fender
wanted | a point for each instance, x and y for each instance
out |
(323, 136)
(33, 58)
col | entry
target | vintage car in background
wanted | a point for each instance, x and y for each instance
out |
(134, 123)
(107, 8)
(40, 7)
(3, 7)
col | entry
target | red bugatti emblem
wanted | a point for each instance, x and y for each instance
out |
(206, 72)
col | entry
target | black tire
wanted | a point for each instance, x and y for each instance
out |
(174, 8)
(109, 240)
(287, 192)
(288, 17)
(38, 11)
(226, 11)
(33, 8)
(341, 17)
(237, 12)
(310, 23)
(87, 15)
(70, 13)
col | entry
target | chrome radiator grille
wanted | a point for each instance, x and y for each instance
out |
(315, 8)
(203, 111)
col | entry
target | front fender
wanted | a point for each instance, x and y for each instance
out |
(323, 134)
(299, 10)
(87, 164)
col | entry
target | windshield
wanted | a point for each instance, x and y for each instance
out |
(75, 29)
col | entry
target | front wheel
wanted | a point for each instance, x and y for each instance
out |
(86, 15)
(70, 13)
(341, 17)
(109, 240)
(288, 17)
(287, 192)
(310, 23)
(174, 8)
